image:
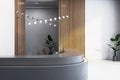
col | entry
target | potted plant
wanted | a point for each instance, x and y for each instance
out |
(50, 44)
(115, 46)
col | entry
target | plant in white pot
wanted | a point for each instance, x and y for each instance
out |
(115, 46)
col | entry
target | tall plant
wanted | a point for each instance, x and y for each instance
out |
(116, 44)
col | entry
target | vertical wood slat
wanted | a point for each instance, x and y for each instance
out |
(16, 28)
(72, 30)
(19, 28)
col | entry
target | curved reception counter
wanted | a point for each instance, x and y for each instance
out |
(44, 67)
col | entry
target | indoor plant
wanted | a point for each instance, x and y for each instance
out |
(115, 46)
(50, 43)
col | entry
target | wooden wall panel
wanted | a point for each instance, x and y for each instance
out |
(19, 28)
(72, 30)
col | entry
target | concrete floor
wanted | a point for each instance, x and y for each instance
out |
(103, 70)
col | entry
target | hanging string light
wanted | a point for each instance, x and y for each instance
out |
(46, 21)
(55, 18)
(35, 22)
(54, 25)
(32, 20)
(41, 21)
(50, 24)
(59, 18)
(51, 19)
(63, 17)
(29, 23)
(67, 16)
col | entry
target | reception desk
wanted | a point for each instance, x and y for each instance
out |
(70, 66)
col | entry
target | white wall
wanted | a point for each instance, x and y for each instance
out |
(7, 28)
(102, 23)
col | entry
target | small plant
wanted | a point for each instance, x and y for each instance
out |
(50, 43)
(116, 44)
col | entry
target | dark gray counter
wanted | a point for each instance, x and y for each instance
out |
(41, 60)
(44, 67)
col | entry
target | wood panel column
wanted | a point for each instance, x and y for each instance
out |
(72, 30)
(19, 27)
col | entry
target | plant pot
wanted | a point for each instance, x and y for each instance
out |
(50, 52)
(115, 58)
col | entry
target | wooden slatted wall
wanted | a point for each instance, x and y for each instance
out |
(19, 27)
(72, 30)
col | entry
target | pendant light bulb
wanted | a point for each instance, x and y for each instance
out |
(54, 25)
(59, 17)
(63, 17)
(55, 18)
(50, 24)
(50, 19)
(40, 21)
(67, 16)
(45, 20)
(29, 23)
(35, 22)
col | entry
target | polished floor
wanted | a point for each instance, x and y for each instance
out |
(103, 70)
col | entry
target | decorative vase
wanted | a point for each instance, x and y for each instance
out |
(50, 53)
(115, 58)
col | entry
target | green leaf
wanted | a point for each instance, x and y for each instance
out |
(50, 38)
(117, 37)
(118, 44)
(112, 39)
(113, 48)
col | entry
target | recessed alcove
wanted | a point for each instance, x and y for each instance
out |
(68, 31)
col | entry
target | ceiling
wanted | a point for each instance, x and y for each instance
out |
(41, 3)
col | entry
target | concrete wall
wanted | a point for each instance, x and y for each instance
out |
(102, 23)
(7, 28)
(36, 34)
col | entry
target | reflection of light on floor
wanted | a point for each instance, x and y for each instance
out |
(103, 70)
